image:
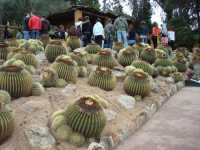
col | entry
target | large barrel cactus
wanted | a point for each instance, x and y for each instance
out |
(148, 55)
(105, 59)
(13, 52)
(66, 68)
(162, 59)
(92, 48)
(86, 117)
(54, 49)
(6, 121)
(180, 62)
(137, 83)
(3, 50)
(102, 78)
(28, 58)
(16, 80)
(73, 42)
(144, 66)
(117, 46)
(127, 56)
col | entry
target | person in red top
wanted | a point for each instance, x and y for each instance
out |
(155, 34)
(35, 26)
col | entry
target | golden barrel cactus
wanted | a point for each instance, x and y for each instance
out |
(137, 83)
(66, 68)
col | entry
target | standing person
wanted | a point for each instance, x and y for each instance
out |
(109, 34)
(26, 31)
(98, 32)
(35, 26)
(45, 26)
(144, 32)
(171, 37)
(131, 35)
(121, 26)
(164, 38)
(86, 31)
(78, 26)
(155, 34)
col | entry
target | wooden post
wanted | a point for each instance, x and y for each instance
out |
(77, 14)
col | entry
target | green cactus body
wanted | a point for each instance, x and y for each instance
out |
(177, 76)
(28, 58)
(77, 139)
(3, 51)
(49, 77)
(37, 89)
(66, 68)
(105, 59)
(117, 46)
(149, 55)
(103, 78)
(13, 52)
(15, 80)
(86, 117)
(139, 64)
(163, 62)
(82, 71)
(6, 125)
(5, 97)
(127, 56)
(54, 49)
(182, 67)
(73, 42)
(137, 84)
(140, 47)
(92, 48)
(80, 58)
(45, 39)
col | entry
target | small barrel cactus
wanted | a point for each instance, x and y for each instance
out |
(180, 62)
(92, 48)
(137, 83)
(80, 57)
(13, 52)
(50, 79)
(54, 49)
(16, 80)
(5, 97)
(105, 59)
(145, 66)
(165, 71)
(66, 68)
(3, 50)
(28, 58)
(82, 71)
(149, 55)
(7, 121)
(178, 76)
(86, 117)
(102, 78)
(73, 42)
(140, 47)
(127, 56)
(117, 46)
(37, 89)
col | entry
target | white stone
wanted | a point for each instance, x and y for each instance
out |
(69, 89)
(95, 146)
(40, 138)
(110, 114)
(107, 142)
(127, 102)
(41, 56)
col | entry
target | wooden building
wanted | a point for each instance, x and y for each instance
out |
(72, 14)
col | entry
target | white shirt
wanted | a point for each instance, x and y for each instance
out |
(98, 29)
(171, 35)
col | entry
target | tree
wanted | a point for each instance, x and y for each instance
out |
(91, 3)
(117, 7)
(141, 10)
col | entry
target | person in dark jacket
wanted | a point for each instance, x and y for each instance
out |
(26, 30)
(109, 34)
(87, 31)
(45, 25)
(132, 35)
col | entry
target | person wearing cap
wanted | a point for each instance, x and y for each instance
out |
(143, 32)
(109, 34)
(98, 32)
(121, 27)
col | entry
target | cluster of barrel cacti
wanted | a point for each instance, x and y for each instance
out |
(180, 62)
(80, 121)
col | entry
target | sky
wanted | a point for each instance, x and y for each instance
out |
(157, 12)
